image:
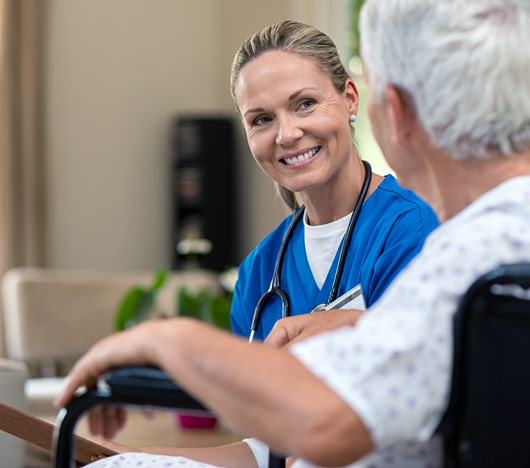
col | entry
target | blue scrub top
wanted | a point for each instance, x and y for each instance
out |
(390, 231)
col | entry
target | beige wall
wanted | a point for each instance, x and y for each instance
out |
(118, 72)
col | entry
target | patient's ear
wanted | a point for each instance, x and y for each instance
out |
(401, 115)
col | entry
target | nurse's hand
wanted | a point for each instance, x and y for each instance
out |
(290, 330)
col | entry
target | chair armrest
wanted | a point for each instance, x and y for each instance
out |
(141, 386)
(138, 386)
(148, 386)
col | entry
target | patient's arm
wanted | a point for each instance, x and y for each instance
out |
(236, 455)
(265, 392)
(290, 330)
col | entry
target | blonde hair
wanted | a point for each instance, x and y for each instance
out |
(300, 39)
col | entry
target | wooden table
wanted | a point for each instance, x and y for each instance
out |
(162, 430)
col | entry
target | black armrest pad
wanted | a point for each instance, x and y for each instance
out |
(148, 385)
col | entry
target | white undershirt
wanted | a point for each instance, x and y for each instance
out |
(321, 245)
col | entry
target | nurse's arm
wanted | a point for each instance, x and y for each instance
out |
(265, 392)
(290, 330)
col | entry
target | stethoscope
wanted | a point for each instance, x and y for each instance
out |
(275, 288)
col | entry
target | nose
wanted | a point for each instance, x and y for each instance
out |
(288, 131)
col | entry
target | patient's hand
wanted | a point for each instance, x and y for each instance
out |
(106, 420)
(299, 327)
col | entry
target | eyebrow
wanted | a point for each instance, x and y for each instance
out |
(291, 97)
(250, 111)
(297, 93)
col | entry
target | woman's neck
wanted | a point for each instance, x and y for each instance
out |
(338, 196)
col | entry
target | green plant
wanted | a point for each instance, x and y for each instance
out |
(138, 303)
(206, 306)
(356, 6)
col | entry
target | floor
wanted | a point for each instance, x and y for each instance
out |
(163, 430)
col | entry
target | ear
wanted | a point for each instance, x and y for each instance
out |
(401, 116)
(351, 95)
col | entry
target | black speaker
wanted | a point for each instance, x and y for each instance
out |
(204, 192)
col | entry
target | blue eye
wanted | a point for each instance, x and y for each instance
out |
(261, 121)
(306, 104)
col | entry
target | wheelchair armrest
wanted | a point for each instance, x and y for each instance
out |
(138, 386)
(148, 386)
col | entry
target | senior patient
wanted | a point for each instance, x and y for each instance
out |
(450, 108)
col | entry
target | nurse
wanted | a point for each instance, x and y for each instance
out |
(298, 106)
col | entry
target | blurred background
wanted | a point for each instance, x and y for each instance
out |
(116, 114)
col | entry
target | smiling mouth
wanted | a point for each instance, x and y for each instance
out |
(301, 157)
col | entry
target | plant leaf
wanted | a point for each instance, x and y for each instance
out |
(146, 303)
(160, 279)
(128, 307)
(220, 312)
(204, 306)
(188, 305)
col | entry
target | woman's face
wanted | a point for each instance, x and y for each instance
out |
(296, 122)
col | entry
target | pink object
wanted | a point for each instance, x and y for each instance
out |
(193, 421)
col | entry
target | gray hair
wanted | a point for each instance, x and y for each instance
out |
(464, 65)
(297, 38)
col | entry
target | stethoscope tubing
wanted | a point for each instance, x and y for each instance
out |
(274, 288)
(275, 285)
(349, 231)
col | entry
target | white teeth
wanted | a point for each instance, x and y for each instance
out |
(301, 157)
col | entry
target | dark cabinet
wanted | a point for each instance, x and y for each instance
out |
(204, 191)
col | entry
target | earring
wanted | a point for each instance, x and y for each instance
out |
(353, 118)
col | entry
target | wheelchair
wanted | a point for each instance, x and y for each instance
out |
(487, 422)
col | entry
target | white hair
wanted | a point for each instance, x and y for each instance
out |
(464, 64)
